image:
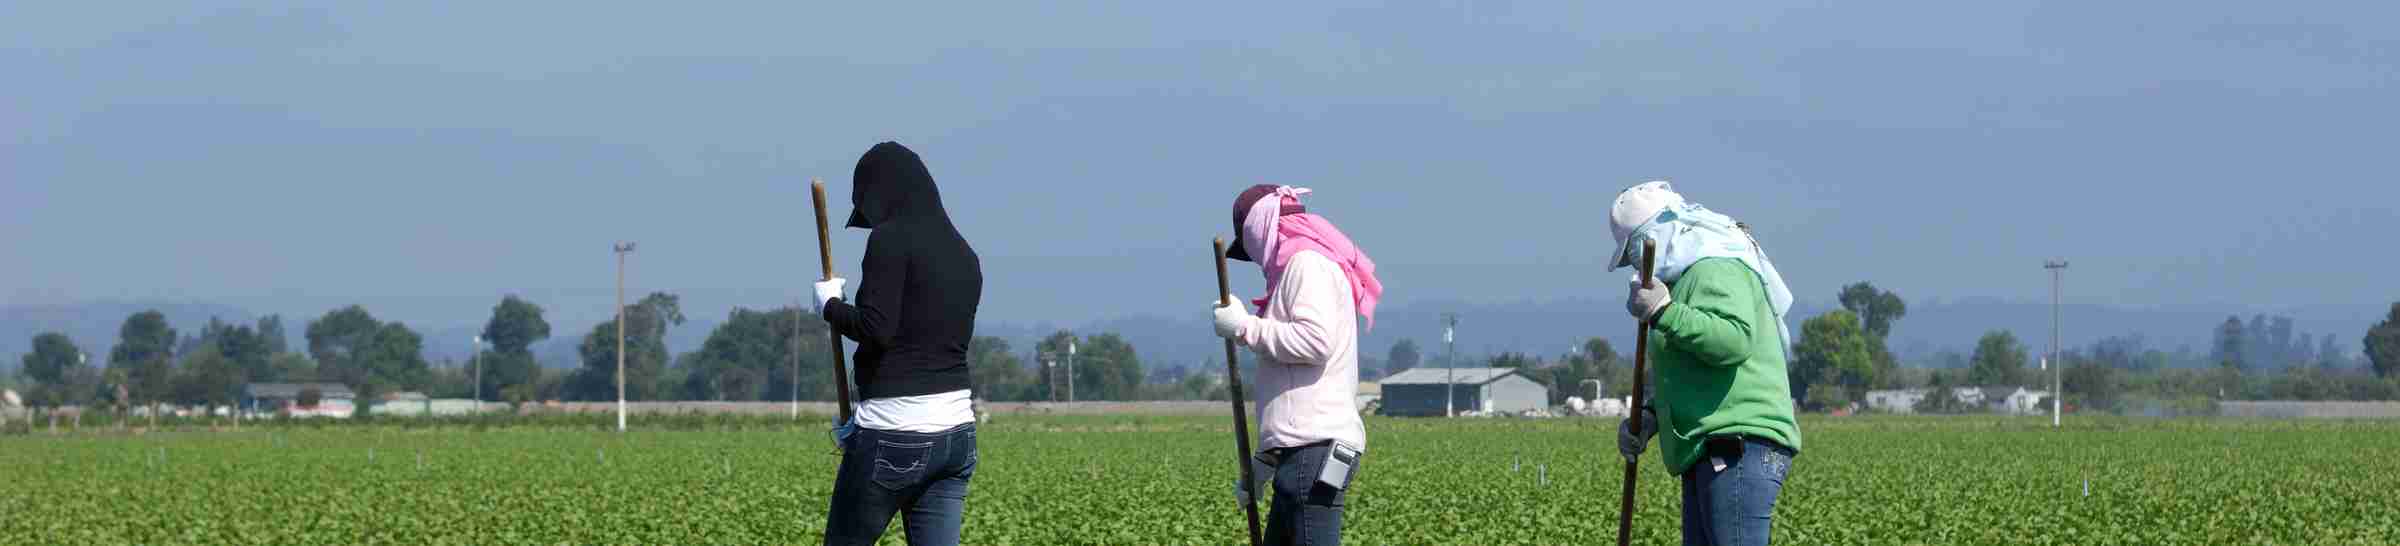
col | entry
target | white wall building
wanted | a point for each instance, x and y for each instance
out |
(1896, 400)
(2023, 401)
(2004, 400)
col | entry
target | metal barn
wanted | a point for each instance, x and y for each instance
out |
(1421, 391)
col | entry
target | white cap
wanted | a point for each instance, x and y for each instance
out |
(1634, 209)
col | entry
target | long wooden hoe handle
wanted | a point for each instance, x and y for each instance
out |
(841, 370)
(1233, 386)
(1641, 361)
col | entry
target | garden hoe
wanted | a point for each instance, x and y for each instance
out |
(841, 370)
(1641, 360)
(1233, 388)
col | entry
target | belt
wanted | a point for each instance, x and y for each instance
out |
(1731, 445)
(1274, 456)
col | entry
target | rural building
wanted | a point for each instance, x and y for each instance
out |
(2006, 400)
(11, 404)
(1369, 392)
(420, 406)
(1896, 400)
(2017, 401)
(1421, 391)
(336, 399)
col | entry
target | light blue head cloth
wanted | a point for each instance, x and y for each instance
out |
(1687, 233)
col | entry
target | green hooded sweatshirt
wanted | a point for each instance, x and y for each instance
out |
(1716, 360)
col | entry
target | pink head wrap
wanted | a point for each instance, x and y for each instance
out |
(1274, 237)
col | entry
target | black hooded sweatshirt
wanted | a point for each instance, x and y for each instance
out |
(919, 284)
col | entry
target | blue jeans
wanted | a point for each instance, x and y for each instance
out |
(921, 475)
(1304, 511)
(1733, 506)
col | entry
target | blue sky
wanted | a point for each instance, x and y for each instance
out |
(426, 159)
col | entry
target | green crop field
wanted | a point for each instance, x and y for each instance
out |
(1158, 480)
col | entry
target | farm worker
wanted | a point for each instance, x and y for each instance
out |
(912, 445)
(1306, 338)
(1717, 351)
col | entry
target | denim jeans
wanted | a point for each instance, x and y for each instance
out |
(1733, 506)
(1304, 511)
(922, 476)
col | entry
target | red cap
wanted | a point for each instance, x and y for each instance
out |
(1241, 211)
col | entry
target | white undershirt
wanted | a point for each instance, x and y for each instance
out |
(925, 413)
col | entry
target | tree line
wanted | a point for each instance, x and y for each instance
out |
(1840, 355)
(782, 354)
(152, 364)
(775, 354)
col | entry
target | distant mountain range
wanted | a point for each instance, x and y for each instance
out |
(1544, 329)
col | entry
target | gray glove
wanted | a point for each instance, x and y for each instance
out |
(1631, 442)
(1645, 301)
(1260, 471)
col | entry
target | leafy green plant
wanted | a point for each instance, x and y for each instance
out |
(1164, 480)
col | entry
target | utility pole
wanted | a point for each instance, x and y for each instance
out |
(622, 249)
(475, 358)
(1450, 365)
(169, 356)
(1070, 368)
(2058, 270)
(81, 359)
(795, 358)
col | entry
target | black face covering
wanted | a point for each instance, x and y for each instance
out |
(891, 182)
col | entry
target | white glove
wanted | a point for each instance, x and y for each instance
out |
(1644, 302)
(1233, 320)
(827, 290)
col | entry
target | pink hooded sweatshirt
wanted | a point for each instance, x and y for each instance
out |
(1306, 337)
